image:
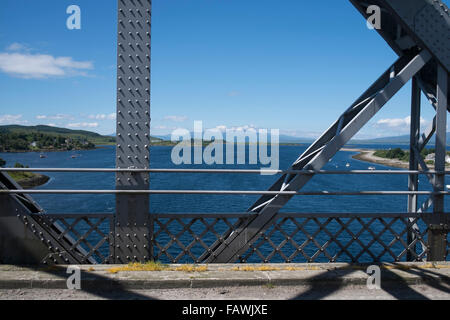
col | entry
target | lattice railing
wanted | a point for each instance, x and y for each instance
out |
(299, 237)
(291, 237)
(87, 236)
(188, 237)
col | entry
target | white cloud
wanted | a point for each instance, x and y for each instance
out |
(164, 128)
(301, 134)
(176, 118)
(38, 66)
(83, 125)
(223, 128)
(12, 119)
(110, 116)
(399, 123)
(55, 117)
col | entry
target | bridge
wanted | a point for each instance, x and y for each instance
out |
(416, 30)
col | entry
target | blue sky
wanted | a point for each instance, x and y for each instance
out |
(294, 66)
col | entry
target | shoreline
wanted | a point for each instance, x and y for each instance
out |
(52, 150)
(367, 155)
(35, 180)
(103, 146)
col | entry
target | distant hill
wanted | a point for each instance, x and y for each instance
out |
(16, 138)
(98, 139)
(47, 138)
(56, 131)
(283, 138)
(404, 139)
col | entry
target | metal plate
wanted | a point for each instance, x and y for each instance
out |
(133, 128)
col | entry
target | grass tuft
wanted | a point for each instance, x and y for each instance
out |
(157, 266)
(252, 268)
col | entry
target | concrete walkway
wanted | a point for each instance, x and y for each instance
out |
(268, 281)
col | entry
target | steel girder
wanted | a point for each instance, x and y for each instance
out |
(417, 31)
(406, 25)
(318, 154)
(437, 233)
(132, 242)
(55, 245)
(413, 179)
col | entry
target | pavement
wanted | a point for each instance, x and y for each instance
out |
(240, 281)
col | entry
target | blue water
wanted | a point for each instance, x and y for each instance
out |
(160, 158)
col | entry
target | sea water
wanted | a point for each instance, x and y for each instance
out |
(160, 158)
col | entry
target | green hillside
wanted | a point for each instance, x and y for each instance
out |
(55, 131)
(15, 138)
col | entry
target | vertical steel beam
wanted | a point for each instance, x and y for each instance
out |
(133, 129)
(413, 180)
(441, 143)
(437, 234)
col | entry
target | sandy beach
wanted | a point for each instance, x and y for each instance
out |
(367, 155)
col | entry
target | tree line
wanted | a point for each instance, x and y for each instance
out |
(38, 141)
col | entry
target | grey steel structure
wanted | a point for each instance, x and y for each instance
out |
(133, 129)
(417, 30)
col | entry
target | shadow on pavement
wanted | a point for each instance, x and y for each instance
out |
(91, 282)
(391, 283)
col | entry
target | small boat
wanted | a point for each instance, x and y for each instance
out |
(347, 165)
(371, 168)
(73, 156)
(448, 187)
(42, 156)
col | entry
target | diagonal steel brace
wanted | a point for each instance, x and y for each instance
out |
(317, 155)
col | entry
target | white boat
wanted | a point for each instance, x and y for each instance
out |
(371, 168)
(448, 187)
(347, 165)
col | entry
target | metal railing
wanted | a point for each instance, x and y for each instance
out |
(290, 237)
